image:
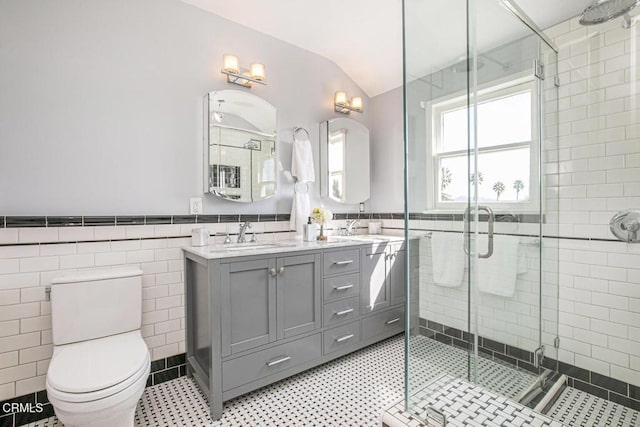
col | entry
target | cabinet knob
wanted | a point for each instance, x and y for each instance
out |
(281, 270)
(273, 272)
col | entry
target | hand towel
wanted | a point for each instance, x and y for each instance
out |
(448, 259)
(498, 274)
(300, 208)
(302, 159)
(303, 171)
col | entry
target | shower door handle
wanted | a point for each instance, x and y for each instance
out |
(490, 222)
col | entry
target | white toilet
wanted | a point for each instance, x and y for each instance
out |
(100, 362)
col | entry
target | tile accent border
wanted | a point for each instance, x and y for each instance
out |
(112, 220)
(86, 221)
(599, 385)
(495, 350)
(162, 370)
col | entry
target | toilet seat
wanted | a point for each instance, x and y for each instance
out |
(95, 369)
(100, 394)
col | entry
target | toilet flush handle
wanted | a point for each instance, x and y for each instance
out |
(47, 293)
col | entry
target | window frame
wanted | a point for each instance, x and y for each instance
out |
(493, 90)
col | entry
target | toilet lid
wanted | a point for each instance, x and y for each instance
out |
(94, 365)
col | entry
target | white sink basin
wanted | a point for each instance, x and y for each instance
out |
(372, 237)
(249, 247)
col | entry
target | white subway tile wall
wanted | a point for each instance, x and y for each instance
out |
(512, 321)
(592, 170)
(25, 270)
(598, 153)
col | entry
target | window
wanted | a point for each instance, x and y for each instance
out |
(507, 149)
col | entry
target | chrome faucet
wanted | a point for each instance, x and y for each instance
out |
(350, 224)
(242, 231)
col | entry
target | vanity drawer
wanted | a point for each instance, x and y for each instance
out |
(346, 261)
(251, 367)
(382, 323)
(341, 311)
(341, 337)
(342, 286)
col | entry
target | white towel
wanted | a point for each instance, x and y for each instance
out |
(303, 171)
(448, 259)
(300, 210)
(302, 159)
(498, 274)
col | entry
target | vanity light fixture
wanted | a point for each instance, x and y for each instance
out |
(342, 105)
(236, 75)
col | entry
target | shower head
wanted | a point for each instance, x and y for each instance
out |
(605, 10)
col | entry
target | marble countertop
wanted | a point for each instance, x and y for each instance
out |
(279, 246)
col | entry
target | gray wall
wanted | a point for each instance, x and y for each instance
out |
(101, 104)
(387, 163)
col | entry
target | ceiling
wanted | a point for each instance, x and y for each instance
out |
(364, 37)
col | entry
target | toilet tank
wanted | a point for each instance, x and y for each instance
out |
(95, 304)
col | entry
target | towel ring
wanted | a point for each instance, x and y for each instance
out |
(297, 128)
(301, 188)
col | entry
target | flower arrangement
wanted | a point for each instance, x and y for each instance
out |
(321, 216)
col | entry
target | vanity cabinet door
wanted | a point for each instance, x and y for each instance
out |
(396, 276)
(248, 309)
(374, 292)
(299, 294)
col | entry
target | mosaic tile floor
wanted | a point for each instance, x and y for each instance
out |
(580, 409)
(350, 391)
(465, 404)
(431, 359)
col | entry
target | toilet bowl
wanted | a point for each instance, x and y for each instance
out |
(100, 362)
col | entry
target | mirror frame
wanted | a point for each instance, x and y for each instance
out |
(209, 123)
(324, 160)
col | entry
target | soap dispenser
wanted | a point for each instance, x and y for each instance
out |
(309, 231)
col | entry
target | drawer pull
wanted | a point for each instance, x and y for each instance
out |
(278, 361)
(343, 287)
(344, 338)
(392, 321)
(345, 262)
(343, 312)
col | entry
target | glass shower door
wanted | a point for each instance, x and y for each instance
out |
(478, 107)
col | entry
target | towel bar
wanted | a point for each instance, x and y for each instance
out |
(533, 241)
(297, 128)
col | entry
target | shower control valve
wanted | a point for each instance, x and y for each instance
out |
(625, 225)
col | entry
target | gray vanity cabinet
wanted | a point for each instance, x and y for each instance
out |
(396, 273)
(299, 295)
(374, 292)
(254, 319)
(269, 299)
(382, 277)
(248, 310)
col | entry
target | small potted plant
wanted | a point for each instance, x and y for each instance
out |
(321, 216)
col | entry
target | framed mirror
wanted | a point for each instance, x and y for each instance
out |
(344, 161)
(240, 146)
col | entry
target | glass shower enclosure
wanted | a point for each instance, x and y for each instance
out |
(481, 147)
